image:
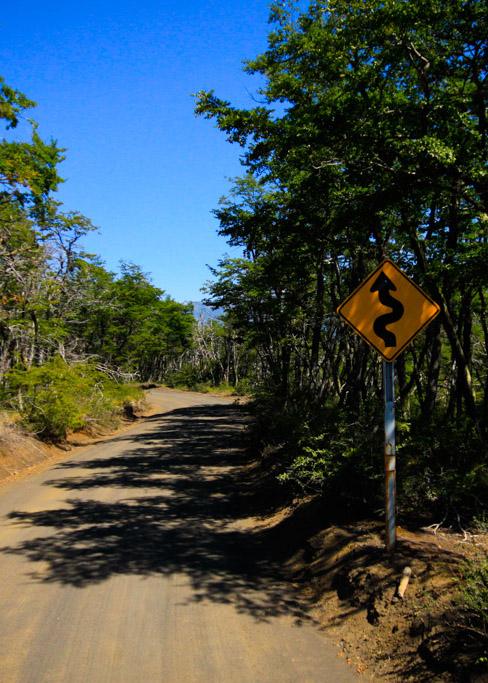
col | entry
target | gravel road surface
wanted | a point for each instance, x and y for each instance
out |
(132, 560)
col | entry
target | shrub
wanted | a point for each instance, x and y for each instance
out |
(443, 471)
(244, 387)
(56, 398)
(343, 461)
(186, 376)
(474, 591)
(321, 449)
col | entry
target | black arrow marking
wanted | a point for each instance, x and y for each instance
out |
(383, 285)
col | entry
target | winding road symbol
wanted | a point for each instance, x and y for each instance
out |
(383, 285)
(388, 310)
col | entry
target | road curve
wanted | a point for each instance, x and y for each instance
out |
(131, 561)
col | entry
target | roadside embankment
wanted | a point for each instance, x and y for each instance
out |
(19, 451)
(341, 567)
(22, 453)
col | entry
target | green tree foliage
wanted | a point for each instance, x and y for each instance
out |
(370, 141)
(28, 170)
(69, 329)
(130, 323)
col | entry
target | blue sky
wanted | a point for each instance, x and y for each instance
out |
(113, 83)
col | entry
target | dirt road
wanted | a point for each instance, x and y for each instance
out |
(133, 561)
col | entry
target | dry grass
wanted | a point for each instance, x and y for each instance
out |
(18, 450)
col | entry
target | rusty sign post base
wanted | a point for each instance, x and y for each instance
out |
(390, 454)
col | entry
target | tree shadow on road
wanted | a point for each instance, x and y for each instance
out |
(181, 505)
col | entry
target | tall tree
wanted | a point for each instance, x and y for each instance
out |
(370, 140)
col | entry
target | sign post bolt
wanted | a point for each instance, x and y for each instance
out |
(390, 454)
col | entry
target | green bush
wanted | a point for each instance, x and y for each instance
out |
(343, 461)
(443, 471)
(244, 387)
(56, 398)
(187, 376)
(321, 448)
(442, 468)
(474, 595)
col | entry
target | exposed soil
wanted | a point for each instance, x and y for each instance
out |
(22, 454)
(18, 451)
(345, 572)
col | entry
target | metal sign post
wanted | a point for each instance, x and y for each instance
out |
(388, 310)
(390, 453)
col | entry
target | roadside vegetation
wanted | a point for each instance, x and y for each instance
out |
(369, 141)
(77, 340)
(60, 397)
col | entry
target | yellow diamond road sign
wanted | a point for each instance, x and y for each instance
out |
(388, 310)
